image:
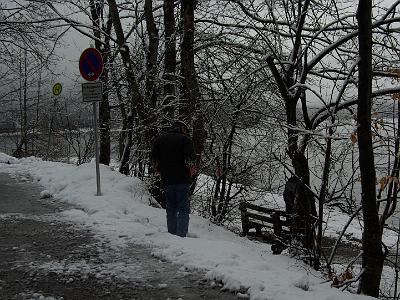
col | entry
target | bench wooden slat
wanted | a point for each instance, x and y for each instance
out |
(269, 227)
(260, 217)
(253, 224)
(268, 219)
(245, 205)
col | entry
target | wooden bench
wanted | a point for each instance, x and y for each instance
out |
(270, 225)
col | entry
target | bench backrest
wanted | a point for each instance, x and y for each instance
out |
(255, 216)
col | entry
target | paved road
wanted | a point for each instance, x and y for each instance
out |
(42, 257)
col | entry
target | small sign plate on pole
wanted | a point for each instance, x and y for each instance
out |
(92, 91)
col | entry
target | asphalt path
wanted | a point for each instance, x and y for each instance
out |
(43, 257)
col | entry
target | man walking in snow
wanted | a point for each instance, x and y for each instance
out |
(173, 156)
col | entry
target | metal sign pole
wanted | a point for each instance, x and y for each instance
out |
(91, 67)
(96, 142)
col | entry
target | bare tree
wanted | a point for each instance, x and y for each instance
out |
(27, 43)
(102, 25)
(314, 61)
(372, 237)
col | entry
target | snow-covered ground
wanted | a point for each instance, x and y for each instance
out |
(122, 215)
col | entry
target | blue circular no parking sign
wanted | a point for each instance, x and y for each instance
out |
(91, 64)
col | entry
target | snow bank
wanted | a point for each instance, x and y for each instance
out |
(6, 159)
(122, 215)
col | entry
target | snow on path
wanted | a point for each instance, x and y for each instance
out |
(123, 215)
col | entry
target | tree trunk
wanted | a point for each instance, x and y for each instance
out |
(189, 106)
(104, 123)
(305, 205)
(151, 97)
(152, 54)
(136, 98)
(104, 109)
(126, 154)
(169, 60)
(37, 105)
(25, 118)
(189, 82)
(323, 193)
(372, 258)
(133, 86)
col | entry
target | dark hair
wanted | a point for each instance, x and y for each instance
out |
(179, 124)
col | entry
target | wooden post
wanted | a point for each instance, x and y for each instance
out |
(277, 224)
(244, 217)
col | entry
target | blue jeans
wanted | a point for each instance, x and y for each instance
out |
(178, 208)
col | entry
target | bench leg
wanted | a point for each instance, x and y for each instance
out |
(245, 228)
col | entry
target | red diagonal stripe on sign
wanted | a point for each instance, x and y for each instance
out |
(91, 65)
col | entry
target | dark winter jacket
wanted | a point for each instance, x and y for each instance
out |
(172, 153)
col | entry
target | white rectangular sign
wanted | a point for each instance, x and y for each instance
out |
(92, 91)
